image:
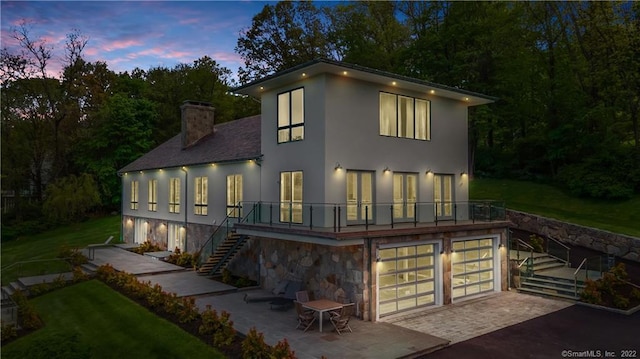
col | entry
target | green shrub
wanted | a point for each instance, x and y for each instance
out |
(188, 311)
(9, 332)
(282, 350)
(537, 243)
(27, 316)
(73, 255)
(253, 346)
(220, 327)
(147, 246)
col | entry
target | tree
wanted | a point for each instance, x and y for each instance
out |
(283, 36)
(71, 198)
(120, 134)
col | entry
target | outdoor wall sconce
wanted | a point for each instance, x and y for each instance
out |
(501, 245)
(337, 167)
(377, 254)
(463, 173)
(386, 169)
(428, 171)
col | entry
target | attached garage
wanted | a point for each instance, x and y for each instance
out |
(408, 277)
(473, 267)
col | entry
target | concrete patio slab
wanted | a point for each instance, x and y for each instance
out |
(368, 340)
(130, 262)
(187, 283)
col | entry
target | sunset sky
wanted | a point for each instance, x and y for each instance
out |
(130, 34)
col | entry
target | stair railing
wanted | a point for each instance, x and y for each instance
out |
(519, 245)
(528, 272)
(558, 250)
(590, 264)
(36, 267)
(220, 234)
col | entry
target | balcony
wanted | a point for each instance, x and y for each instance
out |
(352, 220)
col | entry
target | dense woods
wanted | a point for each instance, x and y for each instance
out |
(567, 75)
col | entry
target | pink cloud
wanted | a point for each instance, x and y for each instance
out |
(121, 44)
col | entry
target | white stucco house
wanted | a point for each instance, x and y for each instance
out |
(351, 180)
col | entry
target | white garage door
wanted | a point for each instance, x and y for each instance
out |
(472, 267)
(406, 278)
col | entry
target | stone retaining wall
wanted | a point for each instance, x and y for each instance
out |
(620, 245)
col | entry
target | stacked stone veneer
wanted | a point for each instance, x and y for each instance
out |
(619, 245)
(327, 271)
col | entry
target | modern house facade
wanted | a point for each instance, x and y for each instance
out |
(352, 181)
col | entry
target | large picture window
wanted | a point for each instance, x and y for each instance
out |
(134, 194)
(403, 116)
(291, 116)
(153, 195)
(291, 197)
(202, 184)
(174, 195)
(234, 195)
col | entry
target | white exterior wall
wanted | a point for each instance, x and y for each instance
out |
(306, 155)
(353, 115)
(217, 191)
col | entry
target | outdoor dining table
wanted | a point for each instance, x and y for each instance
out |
(322, 306)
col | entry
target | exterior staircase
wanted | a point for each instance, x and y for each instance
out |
(222, 255)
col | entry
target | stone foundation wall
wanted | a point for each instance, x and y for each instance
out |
(327, 271)
(619, 245)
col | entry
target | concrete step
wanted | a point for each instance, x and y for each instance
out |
(547, 293)
(559, 282)
(550, 288)
(547, 265)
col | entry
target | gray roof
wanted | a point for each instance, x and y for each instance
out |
(231, 141)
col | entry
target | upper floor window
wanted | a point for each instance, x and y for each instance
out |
(153, 195)
(174, 195)
(403, 116)
(134, 194)
(291, 116)
(202, 184)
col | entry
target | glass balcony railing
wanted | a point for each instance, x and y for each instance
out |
(336, 216)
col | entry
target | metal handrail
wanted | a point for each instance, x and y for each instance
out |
(566, 248)
(523, 262)
(575, 277)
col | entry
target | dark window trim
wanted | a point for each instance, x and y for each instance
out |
(289, 127)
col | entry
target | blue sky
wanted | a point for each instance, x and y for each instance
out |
(130, 34)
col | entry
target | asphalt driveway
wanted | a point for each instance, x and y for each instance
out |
(566, 333)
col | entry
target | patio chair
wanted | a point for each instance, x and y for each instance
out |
(305, 318)
(303, 296)
(341, 321)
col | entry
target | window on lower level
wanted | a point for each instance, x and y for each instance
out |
(134, 194)
(174, 195)
(153, 195)
(234, 195)
(201, 192)
(291, 197)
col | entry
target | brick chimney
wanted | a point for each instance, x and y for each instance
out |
(197, 121)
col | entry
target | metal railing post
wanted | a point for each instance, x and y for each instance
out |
(339, 217)
(455, 213)
(366, 218)
(270, 214)
(415, 214)
(311, 217)
(334, 218)
(391, 211)
(290, 213)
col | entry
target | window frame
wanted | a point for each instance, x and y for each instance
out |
(291, 206)
(135, 195)
(174, 195)
(290, 126)
(201, 193)
(234, 209)
(153, 195)
(414, 127)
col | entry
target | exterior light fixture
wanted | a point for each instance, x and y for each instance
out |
(386, 169)
(428, 171)
(501, 245)
(377, 254)
(261, 87)
(463, 173)
(304, 74)
(344, 73)
(140, 172)
(432, 92)
(337, 167)
(394, 83)
(466, 99)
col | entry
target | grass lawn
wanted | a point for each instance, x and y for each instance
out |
(548, 201)
(46, 245)
(91, 318)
